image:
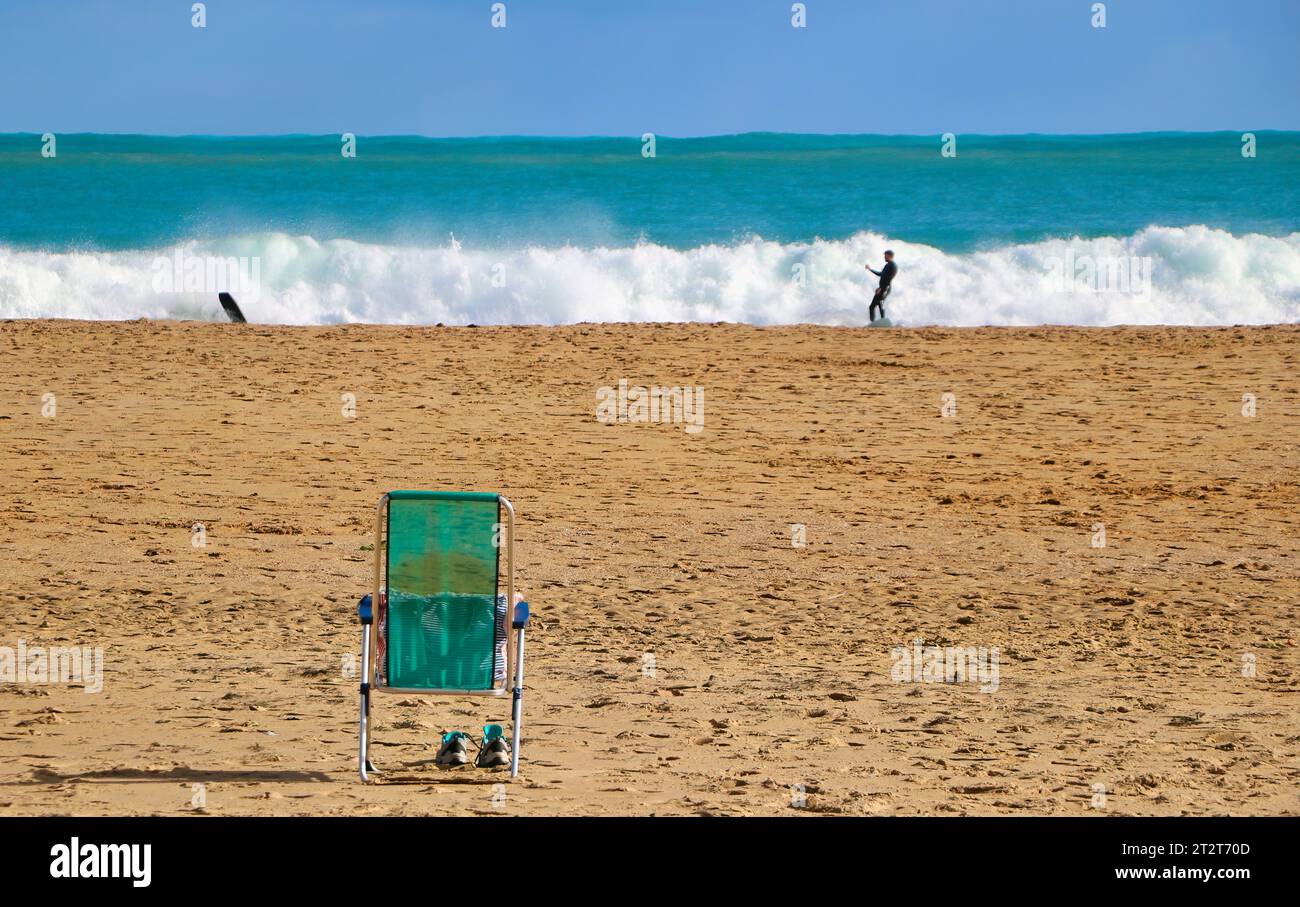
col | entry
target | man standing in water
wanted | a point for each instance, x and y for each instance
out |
(886, 275)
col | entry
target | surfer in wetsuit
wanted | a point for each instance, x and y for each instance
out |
(886, 275)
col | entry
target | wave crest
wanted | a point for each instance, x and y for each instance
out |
(1197, 276)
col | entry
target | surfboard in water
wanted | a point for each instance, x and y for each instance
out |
(881, 323)
(232, 308)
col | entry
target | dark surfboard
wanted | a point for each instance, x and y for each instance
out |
(232, 308)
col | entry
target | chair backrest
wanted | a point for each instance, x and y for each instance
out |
(442, 625)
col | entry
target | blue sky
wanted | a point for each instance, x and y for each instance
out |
(624, 67)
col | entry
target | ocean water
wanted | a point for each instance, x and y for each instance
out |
(1164, 228)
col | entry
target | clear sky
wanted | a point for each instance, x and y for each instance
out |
(624, 67)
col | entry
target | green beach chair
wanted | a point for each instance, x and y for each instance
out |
(436, 622)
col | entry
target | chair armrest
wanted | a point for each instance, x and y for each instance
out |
(521, 616)
(364, 611)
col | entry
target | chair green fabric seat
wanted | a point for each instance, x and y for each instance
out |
(444, 626)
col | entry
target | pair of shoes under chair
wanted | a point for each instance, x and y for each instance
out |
(493, 752)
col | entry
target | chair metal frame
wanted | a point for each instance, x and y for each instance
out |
(512, 682)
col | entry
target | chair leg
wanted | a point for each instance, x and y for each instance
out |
(517, 709)
(363, 754)
(364, 764)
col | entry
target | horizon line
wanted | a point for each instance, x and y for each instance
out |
(638, 137)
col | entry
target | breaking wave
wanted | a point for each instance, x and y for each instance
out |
(1167, 275)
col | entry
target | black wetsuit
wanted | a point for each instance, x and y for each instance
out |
(886, 275)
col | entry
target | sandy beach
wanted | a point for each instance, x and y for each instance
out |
(694, 651)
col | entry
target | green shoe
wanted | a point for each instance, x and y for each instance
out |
(453, 750)
(495, 752)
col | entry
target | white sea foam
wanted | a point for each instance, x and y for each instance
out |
(1198, 276)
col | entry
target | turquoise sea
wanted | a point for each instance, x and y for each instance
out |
(760, 228)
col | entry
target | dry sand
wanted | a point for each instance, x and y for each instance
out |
(1125, 666)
